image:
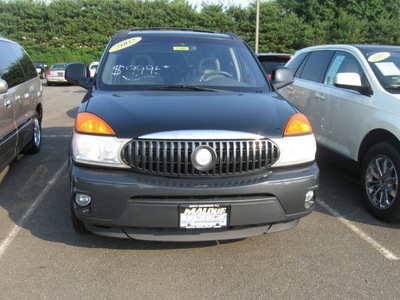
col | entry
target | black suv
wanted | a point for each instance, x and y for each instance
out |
(181, 137)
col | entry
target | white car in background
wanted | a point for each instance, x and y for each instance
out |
(93, 67)
(56, 74)
(351, 95)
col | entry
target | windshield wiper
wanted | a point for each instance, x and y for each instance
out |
(181, 88)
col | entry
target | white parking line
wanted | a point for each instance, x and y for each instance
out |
(385, 252)
(17, 227)
(57, 135)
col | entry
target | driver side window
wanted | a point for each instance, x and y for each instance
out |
(342, 62)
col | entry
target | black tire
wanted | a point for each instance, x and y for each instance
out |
(49, 83)
(380, 176)
(78, 225)
(34, 145)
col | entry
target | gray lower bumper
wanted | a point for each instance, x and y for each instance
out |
(126, 204)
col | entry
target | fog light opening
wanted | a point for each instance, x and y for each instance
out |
(82, 199)
(309, 200)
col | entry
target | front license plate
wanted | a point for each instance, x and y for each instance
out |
(203, 216)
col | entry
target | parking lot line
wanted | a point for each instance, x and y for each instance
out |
(385, 252)
(17, 227)
(56, 135)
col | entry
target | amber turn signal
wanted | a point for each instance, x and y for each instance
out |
(90, 123)
(298, 124)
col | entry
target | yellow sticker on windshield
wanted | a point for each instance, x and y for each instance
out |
(378, 56)
(125, 44)
(181, 48)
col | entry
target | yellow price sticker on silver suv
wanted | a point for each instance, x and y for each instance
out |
(125, 44)
(378, 56)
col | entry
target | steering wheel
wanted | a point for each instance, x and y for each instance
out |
(394, 80)
(215, 74)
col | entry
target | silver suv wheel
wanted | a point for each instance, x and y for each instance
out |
(381, 182)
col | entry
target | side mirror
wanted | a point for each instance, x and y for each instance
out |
(3, 86)
(281, 76)
(352, 81)
(78, 74)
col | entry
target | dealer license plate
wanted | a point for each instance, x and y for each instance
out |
(203, 216)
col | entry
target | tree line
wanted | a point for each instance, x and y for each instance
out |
(78, 30)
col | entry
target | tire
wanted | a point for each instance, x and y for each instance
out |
(34, 145)
(78, 225)
(380, 176)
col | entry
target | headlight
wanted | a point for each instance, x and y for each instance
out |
(97, 150)
(296, 149)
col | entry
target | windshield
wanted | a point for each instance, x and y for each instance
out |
(386, 66)
(155, 61)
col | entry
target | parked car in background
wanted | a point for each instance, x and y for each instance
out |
(93, 67)
(351, 95)
(21, 110)
(41, 68)
(270, 61)
(181, 137)
(56, 73)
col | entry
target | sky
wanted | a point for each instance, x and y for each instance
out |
(242, 3)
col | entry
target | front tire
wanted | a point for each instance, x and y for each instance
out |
(380, 176)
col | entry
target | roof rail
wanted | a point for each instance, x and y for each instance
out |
(124, 32)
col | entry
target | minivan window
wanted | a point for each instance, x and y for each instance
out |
(26, 63)
(10, 69)
(315, 65)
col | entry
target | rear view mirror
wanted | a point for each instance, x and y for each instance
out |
(352, 81)
(281, 76)
(78, 74)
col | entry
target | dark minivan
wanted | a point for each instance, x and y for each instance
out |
(21, 105)
(181, 137)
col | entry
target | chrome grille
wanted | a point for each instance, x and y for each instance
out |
(173, 158)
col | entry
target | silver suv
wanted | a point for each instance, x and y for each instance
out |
(21, 103)
(351, 95)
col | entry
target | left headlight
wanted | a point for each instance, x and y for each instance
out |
(298, 144)
(97, 150)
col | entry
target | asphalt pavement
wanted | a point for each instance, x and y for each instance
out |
(337, 252)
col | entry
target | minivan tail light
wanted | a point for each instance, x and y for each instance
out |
(90, 123)
(298, 124)
(48, 73)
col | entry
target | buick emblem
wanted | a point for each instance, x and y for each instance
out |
(204, 158)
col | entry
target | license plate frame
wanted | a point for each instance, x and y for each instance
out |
(204, 216)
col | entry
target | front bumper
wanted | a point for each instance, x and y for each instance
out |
(126, 204)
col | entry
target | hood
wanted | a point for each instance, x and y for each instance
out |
(133, 114)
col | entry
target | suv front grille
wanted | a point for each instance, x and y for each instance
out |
(173, 158)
